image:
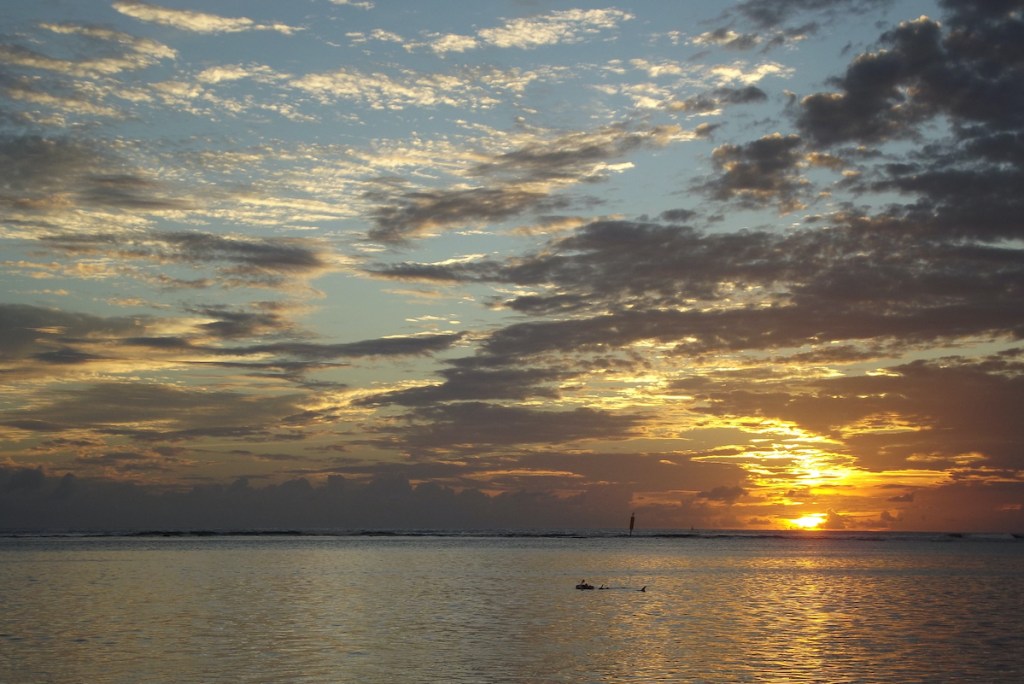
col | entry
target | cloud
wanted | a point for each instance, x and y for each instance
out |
(728, 495)
(453, 42)
(386, 346)
(29, 93)
(124, 462)
(661, 283)
(58, 345)
(771, 22)
(922, 71)
(77, 184)
(138, 53)
(899, 419)
(154, 411)
(34, 500)
(835, 521)
(226, 322)
(405, 89)
(728, 38)
(361, 4)
(472, 87)
(521, 180)
(197, 22)
(473, 425)
(576, 155)
(765, 171)
(990, 506)
(558, 27)
(872, 105)
(27, 330)
(226, 73)
(718, 98)
(240, 261)
(978, 418)
(386, 501)
(770, 13)
(425, 211)
(466, 383)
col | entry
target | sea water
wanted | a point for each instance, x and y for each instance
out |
(503, 608)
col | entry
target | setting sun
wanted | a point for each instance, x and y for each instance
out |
(808, 522)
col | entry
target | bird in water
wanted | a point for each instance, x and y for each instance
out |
(582, 585)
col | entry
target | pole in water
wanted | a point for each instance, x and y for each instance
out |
(632, 521)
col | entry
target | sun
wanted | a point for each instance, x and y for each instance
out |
(808, 522)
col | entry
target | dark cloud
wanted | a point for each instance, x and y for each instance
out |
(127, 192)
(980, 505)
(678, 215)
(39, 173)
(969, 68)
(49, 343)
(27, 330)
(765, 171)
(718, 98)
(473, 425)
(389, 501)
(98, 51)
(34, 168)
(772, 13)
(127, 462)
(836, 521)
(152, 410)
(571, 156)
(249, 257)
(230, 323)
(172, 343)
(65, 355)
(25, 479)
(729, 495)
(782, 22)
(423, 211)
(40, 177)
(475, 384)
(615, 262)
(873, 103)
(809, 287)
(385, 346)
(521, 181)
(727, 38)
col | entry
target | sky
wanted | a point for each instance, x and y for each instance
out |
(341, 263)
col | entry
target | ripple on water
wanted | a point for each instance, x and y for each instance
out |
(496, 610)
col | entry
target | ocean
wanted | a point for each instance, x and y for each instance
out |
(502, 607)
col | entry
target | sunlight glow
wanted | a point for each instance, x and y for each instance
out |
(808, 522)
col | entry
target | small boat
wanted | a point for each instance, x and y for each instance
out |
(583, 585)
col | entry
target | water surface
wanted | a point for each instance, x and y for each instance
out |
(479, 608)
